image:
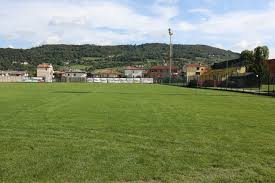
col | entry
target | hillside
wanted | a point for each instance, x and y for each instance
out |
(92, 57)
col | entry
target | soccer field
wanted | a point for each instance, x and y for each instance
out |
(134, 133)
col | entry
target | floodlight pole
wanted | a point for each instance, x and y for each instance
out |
(227, 74)
(269, 75)
(171, 55)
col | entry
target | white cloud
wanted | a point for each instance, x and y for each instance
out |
(246, 45)
(238, 30)
(272, 53)
(185, 26)
(86, 22)
(200, 10)
(112, 22)
(166, 9)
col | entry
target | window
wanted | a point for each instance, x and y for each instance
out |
(74, 74)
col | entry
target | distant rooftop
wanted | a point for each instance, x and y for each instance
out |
(44, 65)
(193, 65)
(134, 68)
(13, 72)
(229, 63)
(164, 68)
(75, 71)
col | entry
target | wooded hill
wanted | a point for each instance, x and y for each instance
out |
(92, 57)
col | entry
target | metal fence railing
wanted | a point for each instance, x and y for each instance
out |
(248, 83)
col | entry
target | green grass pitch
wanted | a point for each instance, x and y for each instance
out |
(134, 133)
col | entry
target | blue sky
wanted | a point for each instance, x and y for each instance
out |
(229, 24)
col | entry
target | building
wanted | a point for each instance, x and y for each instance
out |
(14, 73)
(134, 72)
(232, 74)
(162, 72)
(75, 74)
(58, 75)
(13, 76)
(272, 68)
(194, 71)
(45, 71)
(221, 73)
(106, 73)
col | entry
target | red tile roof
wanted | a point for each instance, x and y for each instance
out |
(44, 65)
(163, 68)
(193, 65)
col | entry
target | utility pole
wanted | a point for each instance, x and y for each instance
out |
(227, 74)
(269, 75)
(171, 55)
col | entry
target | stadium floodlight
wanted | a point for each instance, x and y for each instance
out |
(171, 54)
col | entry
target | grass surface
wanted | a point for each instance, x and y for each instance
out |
(134, 133)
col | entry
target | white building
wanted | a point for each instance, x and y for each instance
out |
(45, 71)
(75, 74)
(134, 72)
(14, 73)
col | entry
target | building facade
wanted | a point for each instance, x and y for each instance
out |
(134, 72)
(14, 73)
(272, 68)
(194, 71)
(45, 71)
(162, 72)
(75, 74)
(106, 73)
(218, 77)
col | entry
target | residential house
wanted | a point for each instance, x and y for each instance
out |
(45, 71)
(162, 72)
(194, 71)
(221, 73)
(75, 74)
(14, 73)
(106, 73)
(134, 72)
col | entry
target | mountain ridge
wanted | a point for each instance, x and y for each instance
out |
(90, 57)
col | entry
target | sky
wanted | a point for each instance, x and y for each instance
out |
(228, 24)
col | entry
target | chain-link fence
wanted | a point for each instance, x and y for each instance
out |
(239, 82)
(175, 81)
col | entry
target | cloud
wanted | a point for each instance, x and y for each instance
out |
(70, 22)
(238, 30)
(166, 9)
(200, 10)
(185, 26)
(121, 22)
(246, 45)
(272, 53)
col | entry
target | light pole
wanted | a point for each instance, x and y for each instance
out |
(171, 55)
(269, 75)
(227, 74)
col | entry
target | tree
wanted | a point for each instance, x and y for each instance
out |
(256, 61)
(261, 55)
(247, 56)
